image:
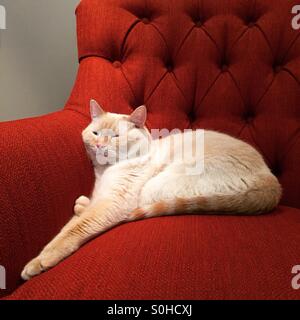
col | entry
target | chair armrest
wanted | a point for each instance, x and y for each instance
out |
(43, 169)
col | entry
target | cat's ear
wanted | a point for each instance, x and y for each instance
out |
(95, 109)
(139, 116)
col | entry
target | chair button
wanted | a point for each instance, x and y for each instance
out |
(145, 20)
(117, 64)
(198, 24)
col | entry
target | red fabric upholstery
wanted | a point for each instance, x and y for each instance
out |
(231, 66)
(183, 257)
(43, 169)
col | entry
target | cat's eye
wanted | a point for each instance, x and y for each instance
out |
(95, 133)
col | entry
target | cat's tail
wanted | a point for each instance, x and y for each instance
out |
(262, 197)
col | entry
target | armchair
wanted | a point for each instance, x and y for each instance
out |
(231, 66)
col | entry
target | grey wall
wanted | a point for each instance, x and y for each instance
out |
(38, 57)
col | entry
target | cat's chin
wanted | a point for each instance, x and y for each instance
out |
(106, 159)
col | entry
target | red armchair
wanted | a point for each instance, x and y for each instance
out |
(232, 66)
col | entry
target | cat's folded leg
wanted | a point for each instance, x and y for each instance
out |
(80, 205)
(93, 221)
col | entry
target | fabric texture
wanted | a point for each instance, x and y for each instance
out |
(43, 169)
(231, 66)
(182, 257)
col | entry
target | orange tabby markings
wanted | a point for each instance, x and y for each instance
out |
(138, 214)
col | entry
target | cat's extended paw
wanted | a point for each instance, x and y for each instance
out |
(80, 204)
(39, 265)
(33, 268)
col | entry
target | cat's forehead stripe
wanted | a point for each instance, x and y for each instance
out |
(108, 121)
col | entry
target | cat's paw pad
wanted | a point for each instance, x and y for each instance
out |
(80, 204)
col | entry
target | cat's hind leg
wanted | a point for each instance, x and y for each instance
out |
(166, 194)
(170, 194)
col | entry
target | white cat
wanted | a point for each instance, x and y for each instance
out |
(152, 178)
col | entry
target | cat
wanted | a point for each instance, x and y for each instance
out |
(149, 183)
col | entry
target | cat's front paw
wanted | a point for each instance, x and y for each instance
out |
(80, 204)
(39, 264)
(33, 268)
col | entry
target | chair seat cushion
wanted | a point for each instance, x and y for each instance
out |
(181, 257)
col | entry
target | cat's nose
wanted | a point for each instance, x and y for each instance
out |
(98, 145)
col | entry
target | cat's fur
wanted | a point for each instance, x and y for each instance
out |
(235, 180)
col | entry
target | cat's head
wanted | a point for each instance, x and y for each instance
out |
(112, 137)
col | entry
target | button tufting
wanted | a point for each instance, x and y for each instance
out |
(251, 21)
(192, 116)
(278, 68)
(145, 20)
(224, 67)
(170, 66)
(198, 24)
(249, 116)
(117, 64)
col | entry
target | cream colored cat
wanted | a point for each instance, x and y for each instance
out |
(149, 178)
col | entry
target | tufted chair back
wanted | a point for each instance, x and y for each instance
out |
(227, 65)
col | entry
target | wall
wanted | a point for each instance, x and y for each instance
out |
(38, 57)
